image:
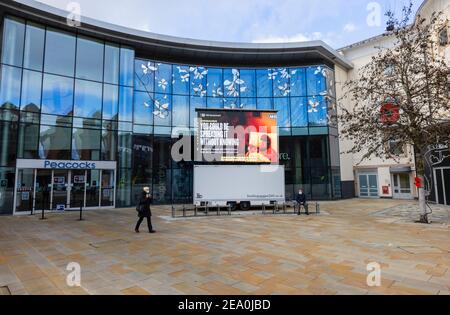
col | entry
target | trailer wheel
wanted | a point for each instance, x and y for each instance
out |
(233, 205)
(245, 205)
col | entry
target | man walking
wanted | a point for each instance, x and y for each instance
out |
(143, 209)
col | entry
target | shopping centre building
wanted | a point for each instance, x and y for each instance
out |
(89, 114)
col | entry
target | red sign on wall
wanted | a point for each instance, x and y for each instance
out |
(390, 113)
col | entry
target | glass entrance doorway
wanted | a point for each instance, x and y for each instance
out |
(402, 186)
(368, 185)
(39, 189)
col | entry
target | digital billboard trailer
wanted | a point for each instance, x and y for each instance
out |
(237, 136)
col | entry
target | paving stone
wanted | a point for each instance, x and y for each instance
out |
(249, 254)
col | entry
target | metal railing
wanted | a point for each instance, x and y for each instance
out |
(287, 208)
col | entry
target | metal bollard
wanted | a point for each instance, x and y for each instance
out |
(206, 210)
(284, 208)
(173, 212)
(218, 210)
(43, 215)
(275, 207)
(317, 208)
(195, 210)
(184, 211)
(264, 208)
(81, 211)
(229, 209)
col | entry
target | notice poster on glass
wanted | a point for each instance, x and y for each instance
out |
(237, 136)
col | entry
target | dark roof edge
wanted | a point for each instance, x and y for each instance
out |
(147, 39)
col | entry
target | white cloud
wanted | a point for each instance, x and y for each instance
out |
(349, 28)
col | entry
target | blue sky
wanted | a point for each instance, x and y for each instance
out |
(337, 22)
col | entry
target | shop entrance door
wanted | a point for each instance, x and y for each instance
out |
(402, 186)
(77, 189)
(60, 195)
(43, 189)
(368, 185)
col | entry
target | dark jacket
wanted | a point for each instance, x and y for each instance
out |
(301, 198)
(144, 206)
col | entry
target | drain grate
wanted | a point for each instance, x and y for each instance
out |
(111, 243)
(5, 291)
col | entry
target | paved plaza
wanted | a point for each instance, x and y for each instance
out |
(246, 254)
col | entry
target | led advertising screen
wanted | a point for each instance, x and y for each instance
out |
(237, 136)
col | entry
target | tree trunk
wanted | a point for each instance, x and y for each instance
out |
(422, 203)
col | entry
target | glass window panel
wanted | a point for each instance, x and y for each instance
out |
(144, 78)
(53, 120)
(109, 145)
(248, 103)
(264, 103)
(284, 117)
(248, 88)
(31, 91)
(110, 101)
(7, 177)
(123, 194)
(196, 102)
(125, 149)
(198, 81)
(141, 129)
(317, 111)
(142, 161)
(34, 47)
(143, 108)
(231, 103)
(126, 66)
(28, 141)
(299, 110)
(215, 82)
(316, 80)
(10, 87)
(181, 77)
(90, 59)
(8, 143)
(13, 38)
(163, 78)
(88, 99)
(60, 53)
(54, 143)
(57, 95)
(264, 80)
(282, 82)
(215, 102)
(86, 144)
(125, 104)
(298, 82)
(87, 123)
(112, 63)
(180, 111)
(231, 82)
(162, 109)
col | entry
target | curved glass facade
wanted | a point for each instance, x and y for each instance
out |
(71, 97)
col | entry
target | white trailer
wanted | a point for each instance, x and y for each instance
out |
(239, 185)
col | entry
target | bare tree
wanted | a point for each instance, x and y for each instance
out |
(401, 95)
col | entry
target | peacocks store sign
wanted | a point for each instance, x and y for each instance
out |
(66, 165)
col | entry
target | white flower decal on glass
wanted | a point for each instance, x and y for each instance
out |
(199, 90)
(161, 108)
(236, 85)
(163, 84)
(313, 106)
